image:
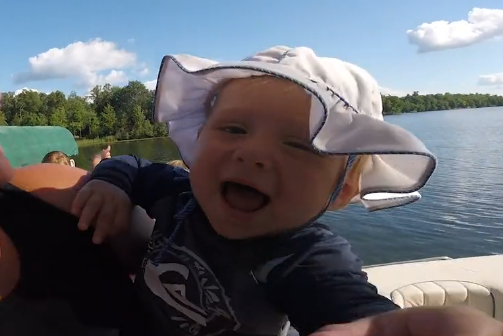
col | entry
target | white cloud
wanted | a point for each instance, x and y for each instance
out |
(114, 77)
(141, 69)
(24, 89)
(87, 63)
(495, 79)
(482, 24)
(144, 72)
(151, 84)
(391, 92)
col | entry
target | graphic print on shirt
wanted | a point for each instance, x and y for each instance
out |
(195, 300)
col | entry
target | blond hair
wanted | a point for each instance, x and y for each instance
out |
(178, 163)
(352, 181)
(361, 164)
(57, 157)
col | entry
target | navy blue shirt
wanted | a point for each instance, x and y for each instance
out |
(196, 282)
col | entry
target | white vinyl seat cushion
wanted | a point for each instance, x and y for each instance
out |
(446, 293)
(476, 282)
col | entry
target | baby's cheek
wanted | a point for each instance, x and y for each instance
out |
(316, 186)
(304, 202)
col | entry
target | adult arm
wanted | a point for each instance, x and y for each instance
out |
(324, 284)
(6, 171)
(144, 182)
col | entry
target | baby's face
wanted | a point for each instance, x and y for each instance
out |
(256, 172)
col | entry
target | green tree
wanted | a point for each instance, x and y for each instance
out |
(91, 124)
(3, 120)
(58, 117)
(54, 101)
(108, 121)
(416, 102)
(160, 130)
(140, 126)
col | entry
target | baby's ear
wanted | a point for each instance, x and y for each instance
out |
(350, 189)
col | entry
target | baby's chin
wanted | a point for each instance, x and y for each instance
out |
(237, 232)
(231, 232)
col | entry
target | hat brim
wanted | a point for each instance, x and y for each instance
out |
(401, 164)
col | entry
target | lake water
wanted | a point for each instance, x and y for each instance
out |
(459, 214)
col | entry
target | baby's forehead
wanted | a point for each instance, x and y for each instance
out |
(278, 100)
(267, 98)
(257, 87)
(260, 93)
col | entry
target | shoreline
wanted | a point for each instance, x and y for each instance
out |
(453, 109)
(108, 141)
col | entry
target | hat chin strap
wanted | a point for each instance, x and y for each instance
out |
(340, 184)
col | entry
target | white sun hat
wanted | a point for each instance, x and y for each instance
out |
(346, 115)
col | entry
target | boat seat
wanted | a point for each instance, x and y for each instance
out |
(447, 293)
(442, 293)
(476, 282)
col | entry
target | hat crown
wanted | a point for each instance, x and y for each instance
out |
(345, 80)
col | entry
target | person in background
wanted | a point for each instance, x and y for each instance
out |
(61, 158)
(6, 171)
(58, 157)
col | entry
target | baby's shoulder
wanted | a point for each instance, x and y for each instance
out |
(315, 248)
(316, 236)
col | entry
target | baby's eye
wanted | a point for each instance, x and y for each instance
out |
(234, 130)
(301, 146)
(304, 147)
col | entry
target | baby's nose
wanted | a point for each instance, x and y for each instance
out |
(257, 161)
(258, 156)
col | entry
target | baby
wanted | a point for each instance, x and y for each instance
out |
(271, 143)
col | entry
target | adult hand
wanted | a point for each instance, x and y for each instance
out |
(6, 171)
(420, 321)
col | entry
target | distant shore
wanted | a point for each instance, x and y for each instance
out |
(453, 109)
(107, 140)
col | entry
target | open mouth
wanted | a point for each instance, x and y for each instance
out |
(243, 198)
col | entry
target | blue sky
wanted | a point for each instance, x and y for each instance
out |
(133, 37)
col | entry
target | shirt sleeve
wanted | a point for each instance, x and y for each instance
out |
(324, 285)
(144, 182)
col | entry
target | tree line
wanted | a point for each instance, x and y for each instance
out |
(123, 113)
(437, 102)
(126, 112)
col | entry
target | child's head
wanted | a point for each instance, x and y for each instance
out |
(257, 136)
(58, 158)
(274, 143)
